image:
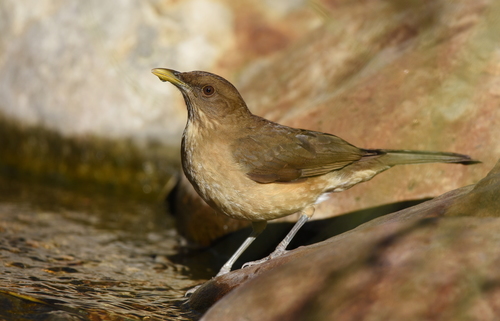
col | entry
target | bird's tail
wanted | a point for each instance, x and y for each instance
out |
(399, 157)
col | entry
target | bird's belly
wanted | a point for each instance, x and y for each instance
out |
(228, 190)
(254, 201)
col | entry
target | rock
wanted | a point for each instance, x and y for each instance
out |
(437, 260)
(381, 75)
(80, 68)
(420, 76)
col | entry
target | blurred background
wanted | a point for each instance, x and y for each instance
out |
(89, 138)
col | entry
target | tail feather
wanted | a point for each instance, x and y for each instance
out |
(399, 157)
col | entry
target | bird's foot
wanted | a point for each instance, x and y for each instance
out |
(271, 256)
(192, 290)
(252, 263)
(224, 270)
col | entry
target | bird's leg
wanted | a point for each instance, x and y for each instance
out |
(257, 228)
(307, 213)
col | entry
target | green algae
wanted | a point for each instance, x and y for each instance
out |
(118, 167)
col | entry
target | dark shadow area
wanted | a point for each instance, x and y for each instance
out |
(204, 263)
(25, 308)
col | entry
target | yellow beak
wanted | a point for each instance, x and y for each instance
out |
(168, 75)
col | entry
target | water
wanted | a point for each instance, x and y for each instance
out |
(73, 256)
(67, 256)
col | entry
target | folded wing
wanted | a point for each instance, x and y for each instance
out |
(286, 154)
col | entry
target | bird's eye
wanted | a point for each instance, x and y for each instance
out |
(208, 90)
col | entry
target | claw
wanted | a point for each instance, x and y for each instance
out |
(271, 256)
(191, 291)
(252, 263)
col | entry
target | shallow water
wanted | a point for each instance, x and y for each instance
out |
(66, 256)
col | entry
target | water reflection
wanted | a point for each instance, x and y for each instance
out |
(74, 257)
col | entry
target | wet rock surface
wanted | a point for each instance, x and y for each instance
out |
(437, 260)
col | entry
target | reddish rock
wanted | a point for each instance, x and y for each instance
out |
(417, 264)
(421, 76)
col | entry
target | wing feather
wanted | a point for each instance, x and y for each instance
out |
(284, 154)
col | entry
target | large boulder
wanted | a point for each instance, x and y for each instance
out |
(382, 75)
(84, 67)
(437, 260)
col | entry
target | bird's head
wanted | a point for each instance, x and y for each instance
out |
(207, 96)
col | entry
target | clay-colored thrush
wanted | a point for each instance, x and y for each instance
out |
(250, 168)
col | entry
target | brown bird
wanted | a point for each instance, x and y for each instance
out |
(250, 168)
